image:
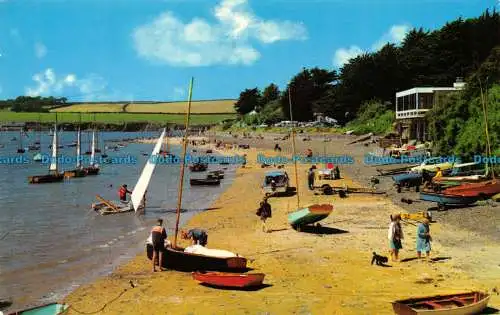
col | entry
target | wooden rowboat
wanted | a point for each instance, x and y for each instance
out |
(177, 259)
(231, 280)
(50, 178)
(309, 215)
(452, 304)
(480, 189)
(48, 309)
(446, 199)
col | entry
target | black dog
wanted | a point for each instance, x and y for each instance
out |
(379, 260)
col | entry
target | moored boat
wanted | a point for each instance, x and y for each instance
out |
(231, 280)
(216, 174)
(467, 303)
(93, 168)
(309, 215)
(54, 175)
(47, 309)
(204, 181)
(79, 171)
(199, 167)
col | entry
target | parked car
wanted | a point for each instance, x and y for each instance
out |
(276, 181)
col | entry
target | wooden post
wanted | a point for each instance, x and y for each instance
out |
(184, 149)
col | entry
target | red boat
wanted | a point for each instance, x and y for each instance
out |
(480, 189)
(227, 279)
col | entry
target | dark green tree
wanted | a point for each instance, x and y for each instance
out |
(248, 100)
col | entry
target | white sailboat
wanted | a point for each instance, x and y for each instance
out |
(93, 168)
(54, 175)
(79, 171)
(136, 201)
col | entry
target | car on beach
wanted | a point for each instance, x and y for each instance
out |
(275, 182)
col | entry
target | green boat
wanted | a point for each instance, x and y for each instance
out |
(309, 215)
(49, 309)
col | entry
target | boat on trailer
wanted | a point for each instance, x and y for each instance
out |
(54, 175)
(106, 207)
(482, 189)
(229, 280)
(467, 303)
(47, 309)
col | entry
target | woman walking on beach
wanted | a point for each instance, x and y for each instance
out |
(395, 236)
(423, 238)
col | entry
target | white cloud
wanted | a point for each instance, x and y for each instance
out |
(395, 35)
(343, 55)
(169, 40)
(91, 87)
(40, 50)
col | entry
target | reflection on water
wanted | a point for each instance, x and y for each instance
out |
(50, 239)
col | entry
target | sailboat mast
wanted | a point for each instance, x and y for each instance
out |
(78, 144)
(184, 149)
(488, 145)
(293, 146)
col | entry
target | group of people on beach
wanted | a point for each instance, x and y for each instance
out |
(158, 239)
(396, 235)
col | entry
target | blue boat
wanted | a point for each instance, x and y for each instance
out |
(49, 309)
(407, 180)
(446, 199)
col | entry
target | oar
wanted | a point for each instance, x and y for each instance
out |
(107, 203)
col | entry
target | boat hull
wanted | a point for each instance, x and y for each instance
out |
(179, 260)
(309, 215)
(92, 170)
(453, 304)
(229, 280)
(204, 182)
(198, 168)
(48, 309)
(75, 173)
(446, 199)
(42, 179)
(479, 189)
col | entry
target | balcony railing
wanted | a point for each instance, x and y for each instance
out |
(413, 113)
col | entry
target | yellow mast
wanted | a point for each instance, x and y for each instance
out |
(488, 145)
(293, 147)
(184, 149)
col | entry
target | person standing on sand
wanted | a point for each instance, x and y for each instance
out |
(158, 237)
(395, 236)
(199, 236)
(264, 212)
(310, 177)
(423, 238)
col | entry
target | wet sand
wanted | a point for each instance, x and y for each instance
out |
(306, 273)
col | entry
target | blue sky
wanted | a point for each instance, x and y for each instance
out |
(94, 50)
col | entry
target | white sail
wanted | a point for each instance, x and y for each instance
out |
(53, 163)
(92, 155)
(147, 172)
(78, 153)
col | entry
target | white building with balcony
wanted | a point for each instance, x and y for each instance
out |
(413, 104)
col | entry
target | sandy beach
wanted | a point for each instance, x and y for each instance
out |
(306, 273)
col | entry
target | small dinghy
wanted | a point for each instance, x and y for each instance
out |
(309, 215)
(229, 280)
(457, 304)
(216, 174)
(204, 181)
(198, 167)
(48, 309)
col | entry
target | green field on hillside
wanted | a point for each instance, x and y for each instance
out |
(197, 107)
(113, 118)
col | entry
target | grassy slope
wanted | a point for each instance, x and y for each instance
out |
(112, 117)
(197, 107)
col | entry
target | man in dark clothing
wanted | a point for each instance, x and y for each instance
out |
(158, 236)
(310, 177)
(122, 192)
(264, 212)
(198, 236)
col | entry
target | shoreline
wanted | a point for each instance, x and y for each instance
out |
(340, 259)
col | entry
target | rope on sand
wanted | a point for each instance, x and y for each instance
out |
(102, 308)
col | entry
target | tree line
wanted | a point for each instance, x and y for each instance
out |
(424, 58)
(33, 104)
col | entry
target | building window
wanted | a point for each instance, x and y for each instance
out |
(426, 100)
